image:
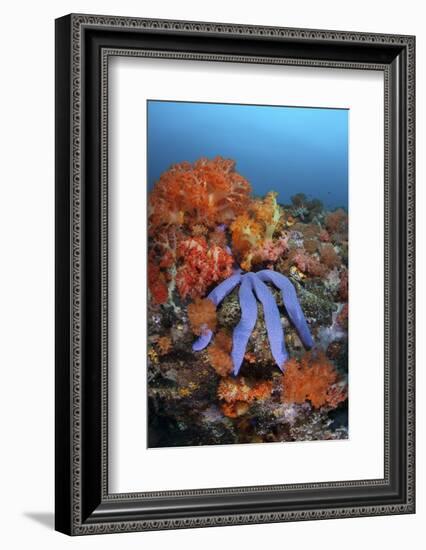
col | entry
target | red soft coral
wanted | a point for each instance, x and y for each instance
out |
(156, 282)
(200, 266)
(161, 263)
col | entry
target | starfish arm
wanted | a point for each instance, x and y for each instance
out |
(291, 303)
(202, 341)
(225, 288)
(216, 296)
(246, 325)
(272, 320)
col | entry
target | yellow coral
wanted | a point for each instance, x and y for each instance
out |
(269, 212)
(153, 355)
(253, 231)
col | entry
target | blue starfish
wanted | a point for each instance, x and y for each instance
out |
(253, 286)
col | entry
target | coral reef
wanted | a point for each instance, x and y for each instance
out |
(238, 286)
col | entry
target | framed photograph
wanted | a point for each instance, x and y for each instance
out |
(234, 274)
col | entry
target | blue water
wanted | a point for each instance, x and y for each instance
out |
(285, 149)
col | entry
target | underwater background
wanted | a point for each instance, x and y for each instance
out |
(289, 149)
(247, 274)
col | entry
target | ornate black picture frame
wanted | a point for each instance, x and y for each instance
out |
(83, 45)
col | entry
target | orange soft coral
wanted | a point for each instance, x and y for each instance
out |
(164, 345)
(200, 265)
(208, 192)
(202, 315)
(219, 354)
(313, 379)
(232, 390)
(234, 410)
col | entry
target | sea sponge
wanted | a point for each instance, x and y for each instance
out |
(312, 378)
